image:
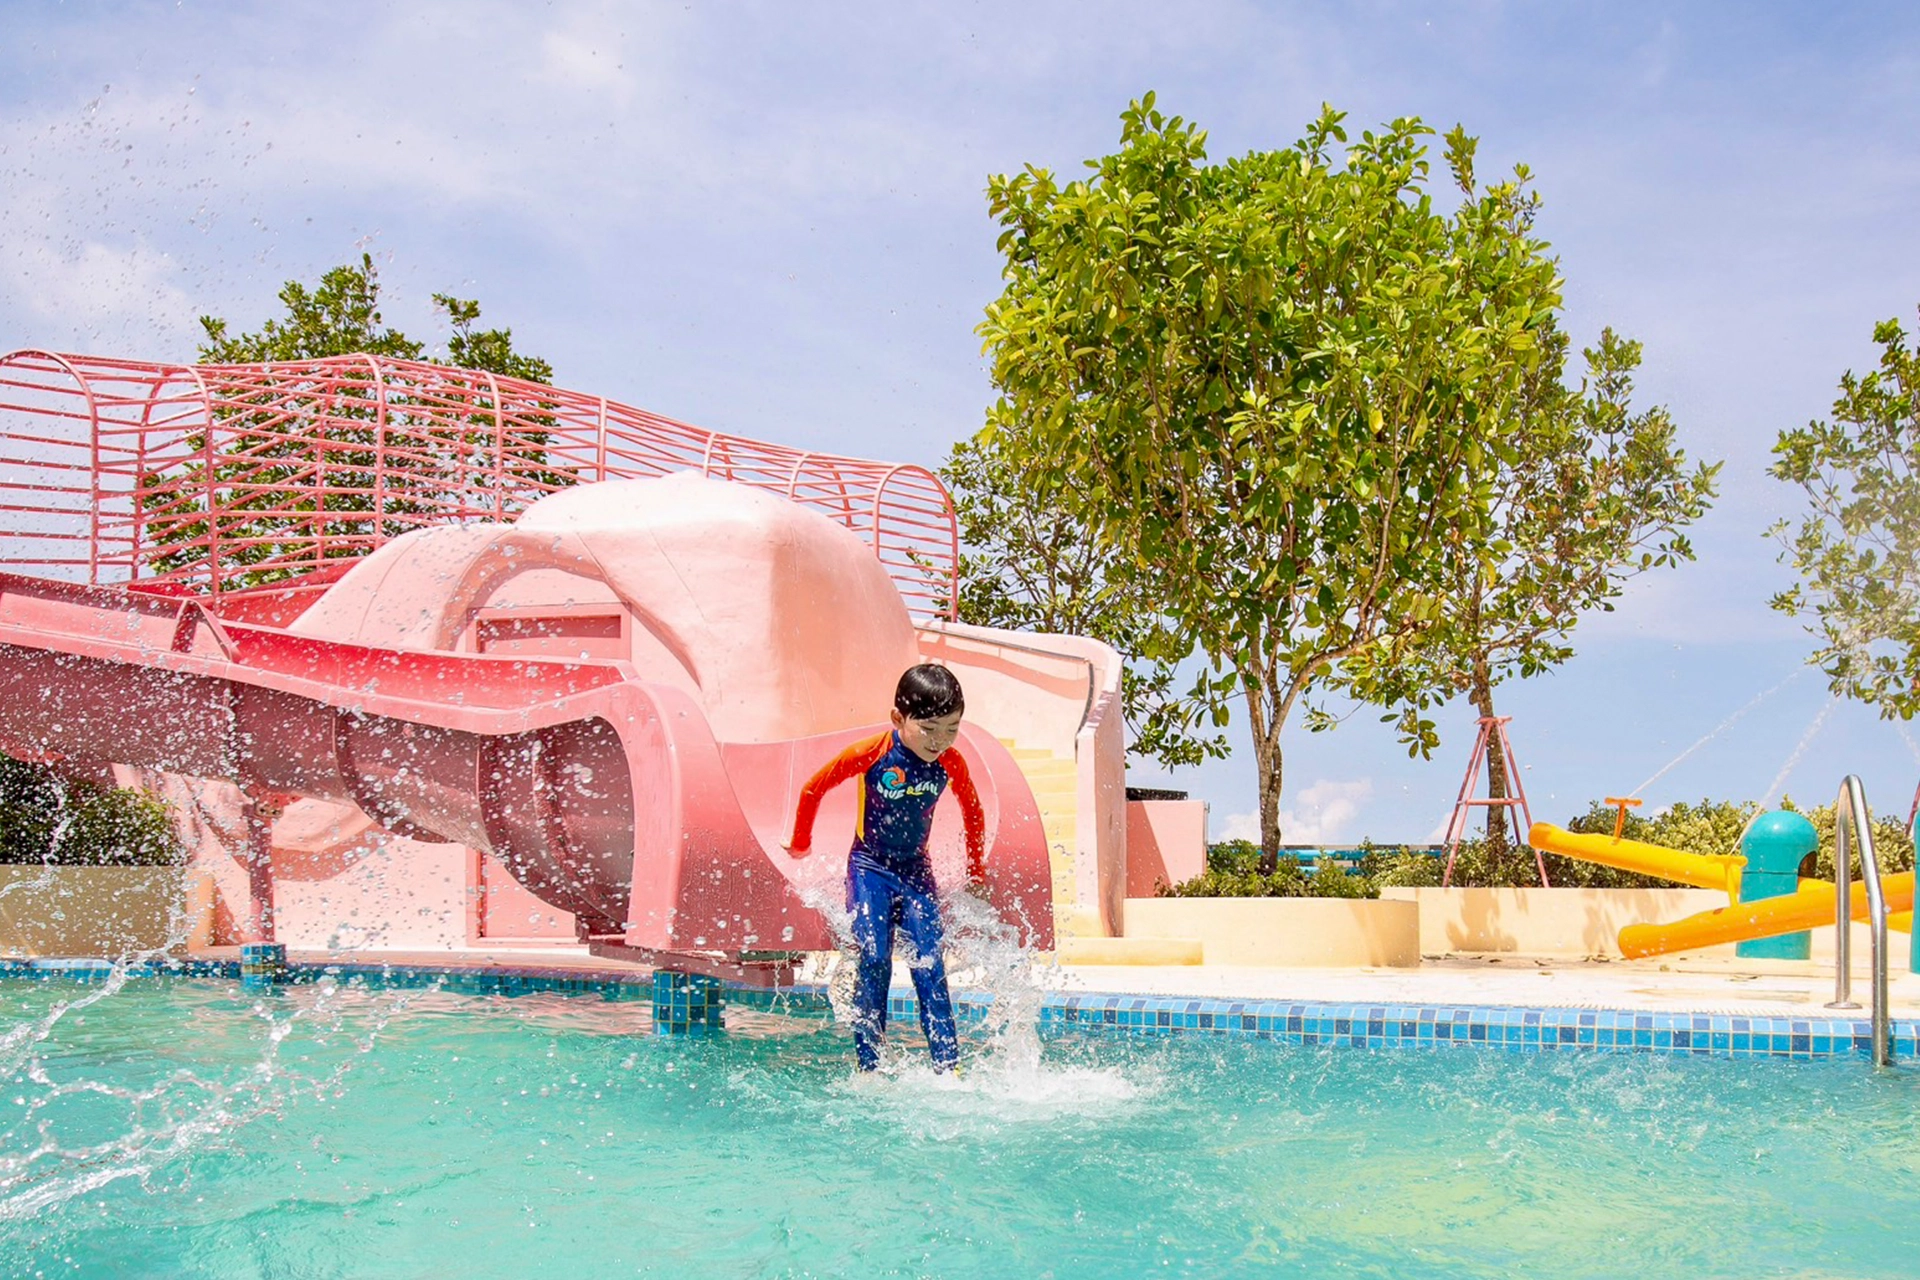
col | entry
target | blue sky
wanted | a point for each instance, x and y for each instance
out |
(769, 219)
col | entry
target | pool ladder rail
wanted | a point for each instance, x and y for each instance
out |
(1853, 823)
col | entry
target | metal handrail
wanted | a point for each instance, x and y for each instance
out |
(1853, 821)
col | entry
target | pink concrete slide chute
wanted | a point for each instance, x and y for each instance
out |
(450, 686)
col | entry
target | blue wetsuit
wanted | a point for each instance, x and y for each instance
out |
(890, 879)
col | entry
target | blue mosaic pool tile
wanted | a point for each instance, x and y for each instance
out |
(1517, 1030)
(1371, 1026)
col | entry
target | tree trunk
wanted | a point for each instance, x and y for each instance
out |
(1498, 783)
(1270, 777)
(1270, 767)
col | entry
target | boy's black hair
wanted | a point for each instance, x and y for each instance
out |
(927, 692)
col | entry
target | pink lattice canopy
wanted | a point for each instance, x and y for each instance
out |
(208, 477)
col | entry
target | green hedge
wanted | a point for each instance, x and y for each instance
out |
(1233, 871)
(51, 820)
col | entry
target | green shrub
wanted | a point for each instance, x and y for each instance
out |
(46, 818)
(1232, 855)
(1233, 871)
(1891, 846)
(1401, 868)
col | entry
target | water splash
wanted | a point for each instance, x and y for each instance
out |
(1005, 1073)
(62, 826)
(1913, 748)
(1774, 790)
(70, 1135)
(70, 1132)
(1717, 730)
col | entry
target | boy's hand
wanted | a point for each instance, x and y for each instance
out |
(978, 889)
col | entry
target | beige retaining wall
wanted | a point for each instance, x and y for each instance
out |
(1286, 932)
(102, 912)
(1570, 922)
(1579, 922)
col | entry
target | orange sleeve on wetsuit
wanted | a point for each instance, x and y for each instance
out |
(850, 763)
(972, 816)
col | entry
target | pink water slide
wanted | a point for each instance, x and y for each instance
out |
(601, 648)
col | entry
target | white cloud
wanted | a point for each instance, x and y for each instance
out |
(82, 286)
(1238, 826)
(1325, 811)
(1656, 58)
(586, 56)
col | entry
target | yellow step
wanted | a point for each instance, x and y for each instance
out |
(1055, 783)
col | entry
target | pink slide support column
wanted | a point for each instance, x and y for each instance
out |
(257, 924)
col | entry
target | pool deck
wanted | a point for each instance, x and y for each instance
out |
(1713, 986)
(1709, 985)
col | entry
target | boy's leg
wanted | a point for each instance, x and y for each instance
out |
(870, 903)
(920, 918)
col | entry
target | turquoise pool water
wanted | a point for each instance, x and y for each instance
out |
(179, 1127)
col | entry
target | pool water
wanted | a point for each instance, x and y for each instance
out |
(181, 1127)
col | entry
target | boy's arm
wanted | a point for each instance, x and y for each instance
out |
(850, 763)
(972, 816)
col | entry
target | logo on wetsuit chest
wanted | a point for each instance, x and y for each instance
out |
(894, 786)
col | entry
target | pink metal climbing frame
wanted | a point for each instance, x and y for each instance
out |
(1493, 731)
(197, 477)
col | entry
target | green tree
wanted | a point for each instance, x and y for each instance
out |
(1857, 550)
(46, 817)
(341, 316)
(1281, 386)
(1027, 565)
(1593, 496)
(281, 491)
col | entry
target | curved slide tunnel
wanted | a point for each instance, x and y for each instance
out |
(605, 795)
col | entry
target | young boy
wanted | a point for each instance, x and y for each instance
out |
(889, 877)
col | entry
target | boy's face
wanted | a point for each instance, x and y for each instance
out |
(928, 738)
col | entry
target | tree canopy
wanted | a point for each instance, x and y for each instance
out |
(289, 482)
(1594, 495)
(1857, 548)
(1026, 565)
(1282, 386)
(340, 316)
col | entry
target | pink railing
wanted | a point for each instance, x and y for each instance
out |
(212, 477)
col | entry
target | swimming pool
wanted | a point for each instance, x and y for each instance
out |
(184, 1127)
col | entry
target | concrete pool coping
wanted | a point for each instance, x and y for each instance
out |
(1743, 1010)
(1706, 985)
(1712, 1007)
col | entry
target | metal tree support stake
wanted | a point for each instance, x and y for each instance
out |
(1493, 729)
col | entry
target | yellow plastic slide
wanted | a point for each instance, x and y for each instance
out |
(1701, 870)
(1809, 908)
